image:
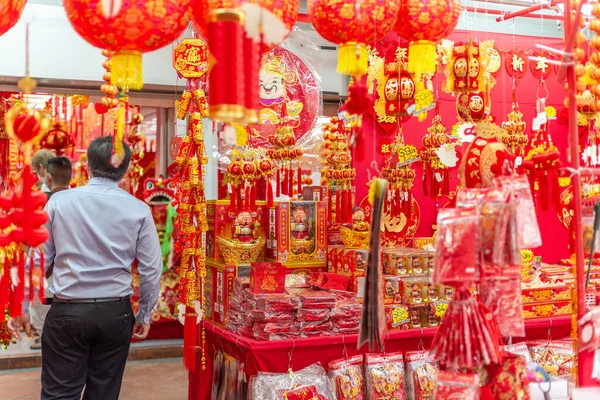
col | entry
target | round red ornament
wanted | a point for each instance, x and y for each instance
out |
(470, 107)
(423, 23)
(540, 68)
(129, 28)
(10, 12)
(516, 63)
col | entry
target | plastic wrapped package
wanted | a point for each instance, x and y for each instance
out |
(317, 299)
(347, 377)
(312, 315)
(519, 349)
(502, 295)
(421, 374)
(312, 334)
(458, 244)
(346, 309)
(343, 295)
(277, 303)
(453, 385)
(472, 197)
(270, 337)
(274, 327)
(555, 357)
(351, 322)
(494, 219)
(518, 191)
(276, 316)
(252, 298)
(317, 326)
(384, 374)
(266, 385)
(296, 281)
(239, 285)
(305, 392)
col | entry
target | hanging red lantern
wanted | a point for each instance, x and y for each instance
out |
(353, 25)
(423, 23)
(129, 29)
(201, 9)
(10, 12)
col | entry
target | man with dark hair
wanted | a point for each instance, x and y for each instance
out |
(59, 174)
(96, 232)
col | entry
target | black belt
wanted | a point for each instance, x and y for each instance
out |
(90, 301)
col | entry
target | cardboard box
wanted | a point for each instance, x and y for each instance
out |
(397, 317)
(221, 224)
(539, 295)
(267, 277)
(301, 234)
(392, 289)
(332, 258)
(218, 287)
(547, 309)
(314, 193)
(353, 262)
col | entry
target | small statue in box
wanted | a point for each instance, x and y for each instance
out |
(300, 225)
(358, 220)
(244, 227)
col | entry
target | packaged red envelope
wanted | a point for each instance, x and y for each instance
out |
(346, 309)
(471, 197)
(347, 377)
(502, 295)
(269, 337)
(458, 247)
(344, 331)
(453, 385)
(494, 220)
(317, 326)
(384, 374)
(309, 334)
(347, 322)
(300, 393)
(239, 284)
(278, 316)
(421, 373)
(555, 357)
(280, 302)
(267, 277)
(273, 327)
(312, 315)
(317, 299)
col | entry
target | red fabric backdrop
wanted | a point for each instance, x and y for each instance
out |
(555, 235)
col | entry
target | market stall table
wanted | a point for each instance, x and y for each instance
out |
(278, 356)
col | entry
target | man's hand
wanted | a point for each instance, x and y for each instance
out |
(16, 325)
(140, 330)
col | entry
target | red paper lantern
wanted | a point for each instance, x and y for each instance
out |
(128, 28)
(10, 12)
(423, 23)
(352, 24)
(201, 10)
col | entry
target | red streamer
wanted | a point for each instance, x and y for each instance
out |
(291, 181)
(329, 205)
(269, 193)
(31, 270)
(253, 197)
(233, 198)
(189, 338)
(338, 206)
(278, 183)
(299, 179)
(252, 68)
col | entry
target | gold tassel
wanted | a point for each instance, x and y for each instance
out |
(126, 70)
(352, 59)
(422, 58)
(119, 154)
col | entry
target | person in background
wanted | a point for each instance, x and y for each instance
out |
(58, 178)
(39, 165)
(96, 232)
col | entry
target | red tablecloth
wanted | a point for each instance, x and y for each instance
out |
(275, 356)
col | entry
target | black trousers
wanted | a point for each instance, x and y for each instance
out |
(85, 345)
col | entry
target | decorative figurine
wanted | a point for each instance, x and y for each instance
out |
(244, 226)
(358, 220)
(300, 224)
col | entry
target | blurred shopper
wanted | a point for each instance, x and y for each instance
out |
(96, 232)
(58, 178)
(39, 165)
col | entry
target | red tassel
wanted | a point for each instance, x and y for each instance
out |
(299, 179)
(15, 308)
(233, 198)
(425, 191)
(446, 182)
(291, 181)
(408, 211)
(240, 201)
(284, 182)
(269, 193)
(253, 197)
(543, 185)
(189, 338)
(338, 206)
(278, 183)
(349, 206)
(329, 205)
(247, 199)
(397, 211)
(41, 293)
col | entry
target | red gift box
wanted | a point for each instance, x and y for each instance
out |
(219, 287)
(267, 277)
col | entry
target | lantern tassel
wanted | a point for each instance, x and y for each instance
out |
(422, 57)
(233, 198)
(126, 70)
(269, 193)
(299, 179)
(278, 183)
(352, 59)
(329, 205)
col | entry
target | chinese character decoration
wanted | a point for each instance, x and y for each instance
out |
(435, 171)
(516, 63)
(440, 19)
(539, 66)
(467, 66)
(486, 157)
(339, 174)
(190, 62)
(136, 140)
(128, 29)
(10, 12)
(21, 211)
(515, 139)
(400, 176)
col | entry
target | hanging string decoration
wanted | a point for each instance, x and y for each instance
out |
(515, 139)
(110, 100)
(10, 12)
(285, 153)
(136, 140)
(436, 174)
(246, 169)
(58, 137)
(21, 212)
(353, 25)
(400, 176)
(128, 29)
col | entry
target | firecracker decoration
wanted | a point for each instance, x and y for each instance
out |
(58, 138)
(486, 157)
(190, 200)
(542, 164)
(110, 100)
(353, 25)
(129, 29)
(5, 145)
(423, 23)
(22, 210)
(7, 257)
(400, 176)
(339, 174)
(136, 140)
(595, 55)
(515, 139)
(436, 174)
(10, 12)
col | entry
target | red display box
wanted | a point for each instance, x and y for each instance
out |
(218, 286)
(221, 223)
(300, 231)
(314, 193)
(352, 262)
(546, 294)
(267, 277)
